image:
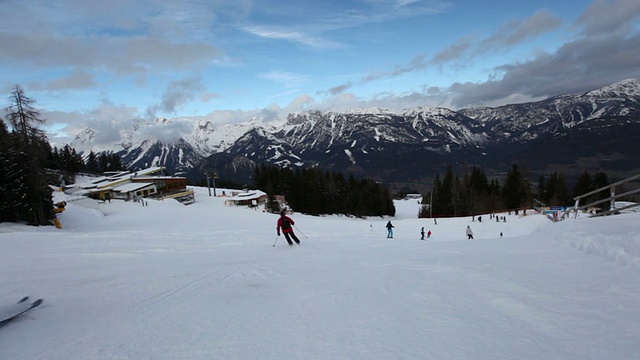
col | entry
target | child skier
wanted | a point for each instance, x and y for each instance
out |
(389, 230)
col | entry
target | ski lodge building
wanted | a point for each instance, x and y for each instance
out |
(134, 185)
(249, 198)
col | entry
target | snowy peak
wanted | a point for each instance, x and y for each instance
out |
(370, 141)
(621, 89)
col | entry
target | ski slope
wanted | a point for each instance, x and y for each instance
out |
(168, 281)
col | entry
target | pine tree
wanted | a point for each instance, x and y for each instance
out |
(6, 161)
(437, 206)
(542, 196)
(514, 192)
(445, 195)
(583, 186)
(92, 163)
(27, 172)
(556, 190)
(600, 180)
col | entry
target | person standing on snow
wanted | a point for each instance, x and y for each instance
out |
(469, 233)
(422, 233)
(389, 230)
(286, 223)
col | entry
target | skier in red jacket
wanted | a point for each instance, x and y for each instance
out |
(286, 223)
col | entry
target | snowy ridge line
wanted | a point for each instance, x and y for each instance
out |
(622, 248)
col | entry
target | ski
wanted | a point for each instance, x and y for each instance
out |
(10, 313)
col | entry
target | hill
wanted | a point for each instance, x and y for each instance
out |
(203, 281)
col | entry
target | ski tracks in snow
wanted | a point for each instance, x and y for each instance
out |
(167, 301)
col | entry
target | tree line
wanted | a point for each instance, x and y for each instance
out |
(70, 162)
(473, 193)
(317, 192)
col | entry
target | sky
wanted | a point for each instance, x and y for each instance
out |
(205, 281)
(229, 61)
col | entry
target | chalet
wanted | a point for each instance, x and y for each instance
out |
(132, 185)
(248, 198)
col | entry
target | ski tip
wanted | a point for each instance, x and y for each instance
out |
(23, 299)
(37, 303)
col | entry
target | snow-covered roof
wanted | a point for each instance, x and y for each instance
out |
(132, 186)
(158, 177)
(249, 195)
(112, 180)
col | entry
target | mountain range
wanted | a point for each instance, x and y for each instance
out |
(594, 131)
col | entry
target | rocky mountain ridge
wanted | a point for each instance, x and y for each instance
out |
(405, 146)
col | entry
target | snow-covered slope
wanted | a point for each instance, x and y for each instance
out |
(168, 281)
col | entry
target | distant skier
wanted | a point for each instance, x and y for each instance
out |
(429, 234)
(286, 223)
(422, 233)
(469, 233)
(390, 230)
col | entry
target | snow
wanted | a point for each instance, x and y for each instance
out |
(168, 281)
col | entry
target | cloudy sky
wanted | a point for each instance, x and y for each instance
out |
(86, 62)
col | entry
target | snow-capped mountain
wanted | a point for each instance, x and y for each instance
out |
(557, 115)
(179, 144)
(589, 131)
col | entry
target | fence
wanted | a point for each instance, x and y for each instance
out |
(611, 188)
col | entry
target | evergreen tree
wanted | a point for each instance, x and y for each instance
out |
(514, 191)
(6, 161)
(556, 190)
(542, 196)
(600, 180)
(446, 201)
(27, 171)
(71, 161)
(495, 198)
(583, 186)
(92, 163)
(438, 207)
(478, 191)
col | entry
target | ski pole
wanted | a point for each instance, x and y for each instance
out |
(274, 243)
(298, 230)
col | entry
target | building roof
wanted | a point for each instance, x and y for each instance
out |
(132, 186)
(249, 195)
(112, 181)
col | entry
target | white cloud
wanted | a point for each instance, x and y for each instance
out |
(282, 33)
(286, 78)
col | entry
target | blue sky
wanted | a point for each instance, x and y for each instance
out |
(87, 61)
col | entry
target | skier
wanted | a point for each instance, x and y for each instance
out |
(286, 223)
(422, 233)
(469, 233)
(389, 230)
(429, 234)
